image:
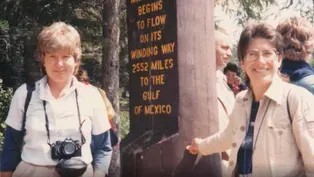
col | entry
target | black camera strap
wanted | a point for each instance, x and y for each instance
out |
(79, 117)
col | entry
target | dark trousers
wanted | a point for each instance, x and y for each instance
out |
(207, 166)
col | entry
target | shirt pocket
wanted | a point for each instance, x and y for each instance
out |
(70, 119)
(281, 142)
(35, 122)
(86, 118)
(309, 120)
(69, 126)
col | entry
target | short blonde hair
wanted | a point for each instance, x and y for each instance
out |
(298, 36)
(56, 37)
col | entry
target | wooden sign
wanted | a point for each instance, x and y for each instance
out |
(153, 83)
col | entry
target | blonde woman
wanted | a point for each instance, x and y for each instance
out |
(62, 118)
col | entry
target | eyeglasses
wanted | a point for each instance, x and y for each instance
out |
(267, 55)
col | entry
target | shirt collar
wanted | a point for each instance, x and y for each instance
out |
(44, 89)
(274, 92)
(220, 76)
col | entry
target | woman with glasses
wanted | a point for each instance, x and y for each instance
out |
(271, 128)
(298, 35)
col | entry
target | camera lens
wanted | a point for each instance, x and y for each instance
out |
(69, 148)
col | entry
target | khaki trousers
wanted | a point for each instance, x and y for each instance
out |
(29, 170)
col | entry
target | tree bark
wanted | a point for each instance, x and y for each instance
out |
(197, 76)
(110, 70)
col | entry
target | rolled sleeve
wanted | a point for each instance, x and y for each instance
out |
(11, 153)
(15, 115)
(102, 151)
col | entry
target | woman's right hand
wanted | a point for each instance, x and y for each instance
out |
(193, 149)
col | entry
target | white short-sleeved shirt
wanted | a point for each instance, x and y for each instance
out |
(62, 117)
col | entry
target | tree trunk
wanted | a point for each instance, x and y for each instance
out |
(110, 70)
(31, 66)
(197, 74)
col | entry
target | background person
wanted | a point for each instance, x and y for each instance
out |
(238, 86)
(232, 72)
(82, 76)
(225, 97)
(224, 93)
(298, 35)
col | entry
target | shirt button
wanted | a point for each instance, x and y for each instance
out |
(280, 132)
(231, 163)
(234, 145)
(242, 128)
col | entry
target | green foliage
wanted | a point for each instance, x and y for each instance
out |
(4, 24)
(244, 10)
(124, 115)
(304, 7)
(5, 99)
(93, 67)
(124, 123)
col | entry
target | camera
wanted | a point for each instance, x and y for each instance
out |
(65, 149)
